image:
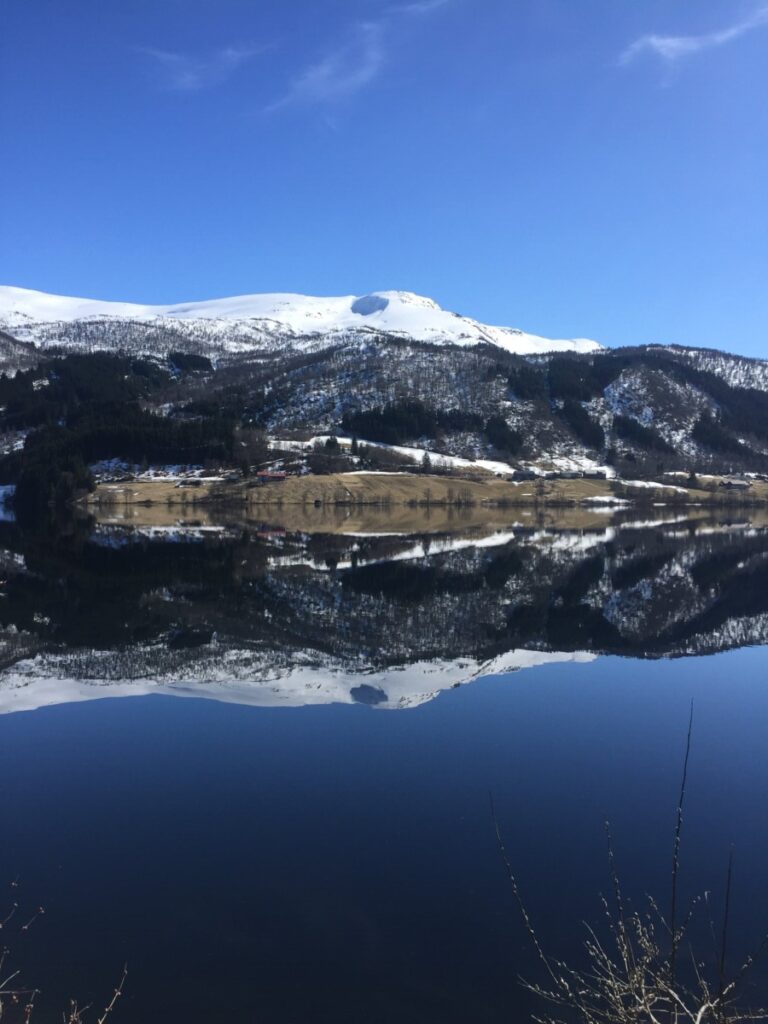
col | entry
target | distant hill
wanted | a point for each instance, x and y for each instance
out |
(390, 366)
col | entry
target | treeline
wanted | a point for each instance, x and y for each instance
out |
(582, 424)
(84, 408)
(401, 422)
(566, 379)
(742, 411)
(189, 362)
(53, 465)
(52, 390)
(566, 382)
(639, 434)
(710, 433)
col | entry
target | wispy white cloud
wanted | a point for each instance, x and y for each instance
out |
(349, 67)
(184, 72)
(419, 7)
(341, 72)
(673, 48)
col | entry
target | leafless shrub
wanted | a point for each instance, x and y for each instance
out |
(17, 1000)
(632, 973)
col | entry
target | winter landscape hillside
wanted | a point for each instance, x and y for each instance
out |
(218, 382)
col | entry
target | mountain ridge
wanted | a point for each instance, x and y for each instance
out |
(26, 314)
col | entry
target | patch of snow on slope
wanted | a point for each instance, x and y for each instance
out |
(645, 484)
(437, 459)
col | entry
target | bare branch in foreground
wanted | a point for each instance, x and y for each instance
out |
(632, 975)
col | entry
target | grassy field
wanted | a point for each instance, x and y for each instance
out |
(360, 519)
(404, 492)
(153, 492)
(404, 489)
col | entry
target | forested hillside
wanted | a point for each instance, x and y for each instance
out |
(638, 412)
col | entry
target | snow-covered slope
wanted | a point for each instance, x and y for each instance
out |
(33, 316)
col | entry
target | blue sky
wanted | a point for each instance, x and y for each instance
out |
(594, 168)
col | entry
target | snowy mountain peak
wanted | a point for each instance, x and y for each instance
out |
(244, 321)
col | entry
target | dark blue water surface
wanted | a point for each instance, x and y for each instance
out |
(338, 863)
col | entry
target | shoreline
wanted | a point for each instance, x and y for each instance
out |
(420, 490)
(407, 503)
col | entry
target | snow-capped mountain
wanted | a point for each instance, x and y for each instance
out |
(252, 321)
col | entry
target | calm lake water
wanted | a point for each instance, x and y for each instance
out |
(306, 836)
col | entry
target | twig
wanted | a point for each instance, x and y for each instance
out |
(518, 896)
(115, 996)
(31, 921)
(724, 939)
(676, 855)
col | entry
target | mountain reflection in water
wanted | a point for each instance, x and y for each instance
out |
(265, 615)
